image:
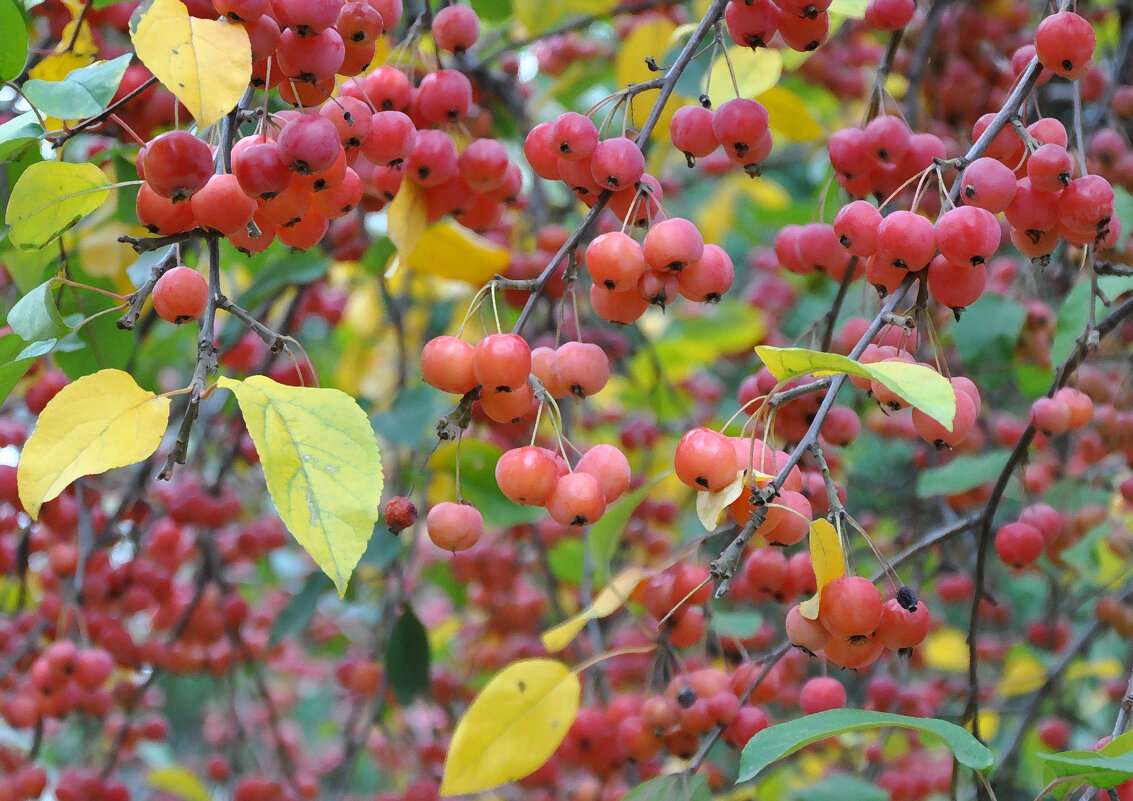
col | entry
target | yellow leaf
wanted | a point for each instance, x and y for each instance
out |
(711, 505)
(205, 63)
(537, 15)
(179, 782)
(99, 422)
(1023, 673)
(756, 72)
(718, 215)
(321, 464)
(512, 728)
(449, 250)
(608, 601)
(62, 62)
(50, 197)
(406, 219)
(1095, 669)
(791, 118)
(946, 649)
(102, 255)
(829, 562)
(647, 39)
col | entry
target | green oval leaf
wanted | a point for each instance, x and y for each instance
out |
(784, 739)
(672, 787)
(50, 197)
(35, 316)
(85, 92)
(19, 132)
(1107, 768)
(407, 658)
(14, 35)
(321, 464)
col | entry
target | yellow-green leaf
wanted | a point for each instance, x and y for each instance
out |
(99, 422)
(828, 560)
(919, 385)
(605, 603)
(791, 118)
(50, 197)
(205, 63)
(449, 250)
(178, 782)
(512, 728)
(756, 72)
(852, 9)
(946, 649)
(647, 39)
(321, 464)
(537, 16)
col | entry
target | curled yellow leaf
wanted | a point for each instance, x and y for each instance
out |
(605, 603)
(828, 560)
(512, 727)
(205, 63)
(448, 250)
(99, 422)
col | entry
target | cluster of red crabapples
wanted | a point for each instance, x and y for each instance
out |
(501, 368)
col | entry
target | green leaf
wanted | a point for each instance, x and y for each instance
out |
(844, 787)
(1102, 770)
(294, 618)
(179, 782)
(492, 10)
(412, 416)
(607, 532)
(785, 739)
(18, 132)
(673, 787)
(1123, 208)
(14, 35)
(12, 371)
(85, 92)
(279, 273)
(407, 658)
(740, 623)
(50, 197)
(919, 385)
(988, 331)
(961, 474)
(321, 464)
(1075, 312)
(35, 316)
(566, 559)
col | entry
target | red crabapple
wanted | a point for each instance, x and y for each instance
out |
(180, 295)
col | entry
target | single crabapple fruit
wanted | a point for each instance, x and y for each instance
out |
(400, 513)
(623, 308)
(889, 15)
(691, 131)
(1086, 205)
(222, 206)
(573, 136)
(751, 24)
(850, 607)
(741, 126)
(856, 226)
(176, 165)
(502, 362)
(1018, 544)
(617, 163)
(821, 694)
(887, 139)
(706, 460)
(577, 500)
(610, 466)
(615, 261)
(444, 96)
(447, 364)
(455, 28)
(956, 285)
(1050, 168)
(180, 295)
(582, 367)
(454, 526)
(900, 628)
(527, 475)
(989, 184)
(906, 240)
(809, 635)
(1080, 405)
(967, 235)
(483, 164)
(507, 405)
(1050, 416)
(540, 153)
(673, 244)
(308, 144)
(1064, 43)
(706, 280)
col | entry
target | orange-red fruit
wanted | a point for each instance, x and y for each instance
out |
(850, 607)
(180, 295)
(502, 361)
(527, 475)
(454, 526)
(446, 363)
(899, 628)
(706, 460)
(810, 635)
(610, 466)
(577, 500)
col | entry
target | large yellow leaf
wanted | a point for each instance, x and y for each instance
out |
(449, 250)
(50, 197)
(791, 118)
(321, 464)
(406, 219)
(829, 562)
(513, 726)
(918, 384)
(946, 649)
(99, 422)
(605, 603)
(206, 63)
(651, 38)
(756, 72)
